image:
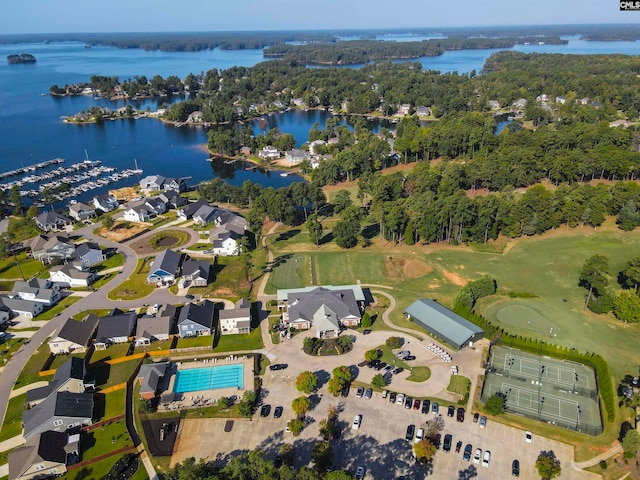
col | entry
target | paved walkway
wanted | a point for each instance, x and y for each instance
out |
(12, 442)
(260, 295)
(615, 450)
(25, 389)
(4, 470)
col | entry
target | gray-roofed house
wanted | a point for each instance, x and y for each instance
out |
(176, 184)
(443, 324)
(106, 203)
(196, 319)
(138, 213)
(156, 204)
(68, 276)
(37, 290)
(26, 308)
(165, 268)
(172, 199)
(52, 249)
(190, 208)
(196, 272)
(327, 310)
(69, 377)
(74, 336)
(229, 228)
(44, 455)
(296, 156)
(205, 214)
(150, 376)
(81, 211)
(236, 320)
(151, 329)
(89, 254)
(60, 412)
(52, 221)
(115, 329)
(152, 183)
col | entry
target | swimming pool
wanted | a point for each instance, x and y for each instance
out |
(209, 378)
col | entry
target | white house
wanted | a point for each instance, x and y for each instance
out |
(236, 320)
(67, 276)
(26, 308)
(269, 152)
(106, 203)
(74, 336)
(296, 156)
(139, 213)
(226, 244)
(37, 290)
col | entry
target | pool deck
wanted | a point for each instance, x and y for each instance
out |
(208, 397)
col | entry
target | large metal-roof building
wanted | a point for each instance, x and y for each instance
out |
(443, 324)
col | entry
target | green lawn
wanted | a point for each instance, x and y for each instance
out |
(241, 341)
(228, 280)
(100, 470)
(113, 261)
(112, 352)
(107, 375)
(102, 280)
(199, 341)
(419, 374)
(114, 403)
(9, 347)
(58, 360)
(275, 336)
(58, 308)
(136, 285)
(101, 440)
(30, 267)
(292, 271)
(100, 312)
(30, 371)
(12, 425)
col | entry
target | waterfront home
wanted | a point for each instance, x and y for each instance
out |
(60, 412)
(106, 203)
(520, 103)
(49, 220)
(152, 329)
(404, 109)
(150, 377)
(52, 249)
(196, 272)
(115, 328)
(165, 268)
(19, 307)
(74, 336)
(494, 104)
(315, 144)
(69, 377)
(172, 199)
(196, 319)
(296, 156)
(236, 320)
(139, 213)
(190, 208)
(425, 111)
(37, 290)
(46, 454)
(152, 183)
(176, 184)
(68, 276)
(269, 153)
(81, 211)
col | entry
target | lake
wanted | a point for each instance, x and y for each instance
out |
(33, 132)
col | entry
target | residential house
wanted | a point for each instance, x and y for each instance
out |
(139, 213)
(172, 199)
(68, 276)
(165, 268)
(152, 183)
(196, 272)
(520, 103)
(189, 209)
(327, 309)
(89, 254)
(425, 111)
(542, 98)
(226, 244)
(229, 228)
(196, 319)
(561, 99)
(205, 214)
(60, 412)
(176, 184)
(74, 336)
(269, 153)
(37, 290)
(45, 455)
(236, 320)
(150, 376)
(152, 329)
(52, 249)
(115, 328)
(5, 314)
(81, 211)
(49, 220)
(195, 117)
(25, 308)
(404, 109)
(494, 104)
(69, 377)
(296, 156)
(584, 101)
(106, 203)
(156, 204)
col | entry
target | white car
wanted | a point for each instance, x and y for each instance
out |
(528, 437)
(400, 399)
(359, 473)
(477, 456)
(486, 459)
(356, 422)
(419, 435)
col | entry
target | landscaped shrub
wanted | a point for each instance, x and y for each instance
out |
(394, 342)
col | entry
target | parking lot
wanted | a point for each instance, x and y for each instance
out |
(379, 444)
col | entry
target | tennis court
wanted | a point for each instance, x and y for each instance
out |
(559, 392)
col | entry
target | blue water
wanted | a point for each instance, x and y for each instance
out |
(33, 132)
(209, 378)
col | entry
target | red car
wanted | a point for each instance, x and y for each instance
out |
(416, 404)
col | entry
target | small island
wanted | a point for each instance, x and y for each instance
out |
(22, 58)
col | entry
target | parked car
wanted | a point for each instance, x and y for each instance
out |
(476, 416)
(416, 404)
(486, 459)
(265, 410)
(278, 366)
(368, 393)
(460, 414)
(477, 456)
(359, 473)
(515, 468)
(450, 411)
(458, 446)
(392, 397)
(188, 296)
(425, 406)
(467, 452)
(360, 392)
(435, 408)
(436, 441)
(356, 422)
(409, 435)
(483, 421)
(446, 445)
(528, 437)
(408, 402)
(380, 366)
(385, 393)
(400, 400)
(419, 435)
(403, 353)
(388, 367)
(345, 391)
(409, 358)
(277, 412)
(366, 332)
(398, 370)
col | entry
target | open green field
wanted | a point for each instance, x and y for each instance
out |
(136, 285)
(30, 267)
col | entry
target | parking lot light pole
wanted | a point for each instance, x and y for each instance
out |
(540, 408)
(578, 412)
(509, 365)
(575, 381)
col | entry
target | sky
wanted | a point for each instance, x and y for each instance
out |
(73, 16)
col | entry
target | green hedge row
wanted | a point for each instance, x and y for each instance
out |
(539, 347)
